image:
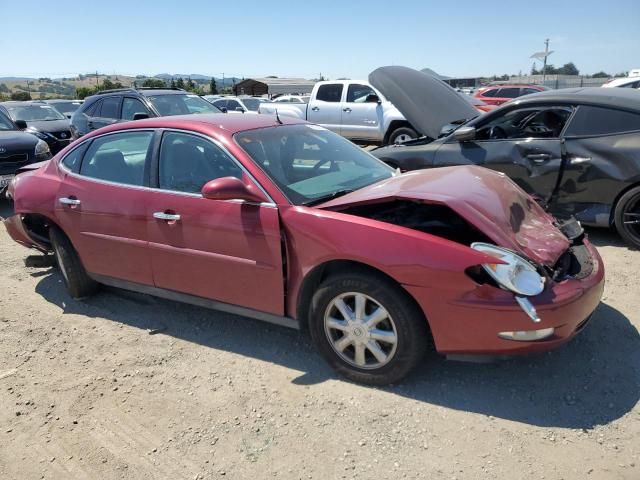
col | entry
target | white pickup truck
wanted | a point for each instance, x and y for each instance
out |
(352, 108)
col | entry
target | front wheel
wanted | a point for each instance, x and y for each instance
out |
(367, 328)
(402, 134)
(627, 217)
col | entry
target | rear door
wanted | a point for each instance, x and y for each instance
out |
(107, 113)
(101, 204)
(326, 108)
(524, 143)
(229, 251)
(361, 113)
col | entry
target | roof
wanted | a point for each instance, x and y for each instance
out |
(624, 98)
(221, 123)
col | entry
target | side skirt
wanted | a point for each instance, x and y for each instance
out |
(198, 301)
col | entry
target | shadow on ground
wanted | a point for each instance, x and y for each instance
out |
(593, 380)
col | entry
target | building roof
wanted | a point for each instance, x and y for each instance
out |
(273, 86)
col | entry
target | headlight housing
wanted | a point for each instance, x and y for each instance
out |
(513, 273)
(40, 135)
(42, 149)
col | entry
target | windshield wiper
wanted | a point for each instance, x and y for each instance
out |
(326, 198)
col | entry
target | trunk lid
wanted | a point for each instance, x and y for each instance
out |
(488, 200)
(425, 101)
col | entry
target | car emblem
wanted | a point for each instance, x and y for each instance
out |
(3, 150)
(63, 135)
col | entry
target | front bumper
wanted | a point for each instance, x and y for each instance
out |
(469, 323)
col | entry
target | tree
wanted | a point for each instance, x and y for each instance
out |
(568, 69)
(600, 74)
(213, 88)
(173, 83)
(190, 85)
(83, 92)
(180, 83)
(21, 96)
(4, 88)
(154, 83)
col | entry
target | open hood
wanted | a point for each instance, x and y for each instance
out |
(486, 199)
(425, 101)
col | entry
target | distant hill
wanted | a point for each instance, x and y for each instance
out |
(193, 76)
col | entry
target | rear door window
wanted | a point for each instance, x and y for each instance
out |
(508, 93)
(490, 93)
(602, 121)
(119, 157)
(331, 92)
(110, 108)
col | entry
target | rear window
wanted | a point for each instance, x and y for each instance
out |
(602, 121)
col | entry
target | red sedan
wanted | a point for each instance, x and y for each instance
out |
(290, 223)
(499, 94)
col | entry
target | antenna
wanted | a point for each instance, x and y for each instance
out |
(278, 118)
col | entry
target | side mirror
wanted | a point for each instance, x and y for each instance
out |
(240, 109)
(68, 115)
(465, 134)
(140, 116)
(232, 188)
(372, 98)
(21, 124)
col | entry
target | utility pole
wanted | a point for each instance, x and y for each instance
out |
(546, 54)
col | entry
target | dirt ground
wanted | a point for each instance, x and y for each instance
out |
(87, 392)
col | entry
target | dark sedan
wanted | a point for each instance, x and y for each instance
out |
(42, 120)
(576, 150)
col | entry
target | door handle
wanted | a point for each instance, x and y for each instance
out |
(174, 217)
(347, 109)
(539, 157)
(315, 109)
(69, 201)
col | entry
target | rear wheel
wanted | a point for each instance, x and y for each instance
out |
(402, 134)
(78, 283)
(367, 328)
(627, 217)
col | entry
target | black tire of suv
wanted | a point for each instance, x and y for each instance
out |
(629, 203)
(402, 131)
(75, 277)
(413, 337)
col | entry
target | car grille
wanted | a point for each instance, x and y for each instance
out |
(14, 158)
(63, 135)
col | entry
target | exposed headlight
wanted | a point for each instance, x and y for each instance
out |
(513, 272)
(40, 135)
(42, 149)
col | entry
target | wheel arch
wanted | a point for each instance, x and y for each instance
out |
(323, 271)
(393, 125)
(614, 204)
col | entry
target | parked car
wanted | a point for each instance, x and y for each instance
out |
(625, 82)
(290, 223)
(499, 94)
(292, 99)
(65, 107)
(352, 108)
(240, 104)
(41, 120)
(17, 149)
(211, 98)
(122, 105)
(577, 150)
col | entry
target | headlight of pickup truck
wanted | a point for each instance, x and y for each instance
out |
(42, 150)
(514, 273)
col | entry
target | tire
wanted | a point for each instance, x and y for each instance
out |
(628, 210)
(404, 319)
(78, 283)
(402, 134)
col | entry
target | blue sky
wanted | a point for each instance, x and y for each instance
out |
(297, 38)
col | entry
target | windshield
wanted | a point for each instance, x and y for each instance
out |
(309, 163)
(66, 108)
(5, 123)
(253, 103)
(34, 112)
(181, 104)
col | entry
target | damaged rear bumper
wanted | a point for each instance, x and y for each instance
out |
(18, 232)
(472, 323)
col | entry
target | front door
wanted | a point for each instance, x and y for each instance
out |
(523, 143)
(361, 112)
(101, 204)
(326, 108)
(229, 251)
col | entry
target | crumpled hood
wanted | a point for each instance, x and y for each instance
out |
(49, 125)
(486, 199)
(16, 139)
(425, 101)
